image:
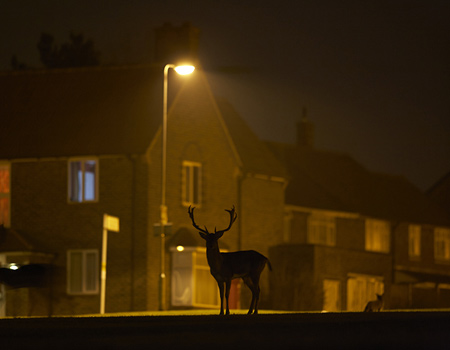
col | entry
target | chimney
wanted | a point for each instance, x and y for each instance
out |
(305, 132)
(176, 44)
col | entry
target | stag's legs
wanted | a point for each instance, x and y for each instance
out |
(227, 294)
(221, 290)
(253, 284)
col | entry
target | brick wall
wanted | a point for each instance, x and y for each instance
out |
(41, 210)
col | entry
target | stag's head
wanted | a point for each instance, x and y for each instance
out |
(211, 238)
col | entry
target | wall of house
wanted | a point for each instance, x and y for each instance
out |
(298, 284)
(261, 226)
(304, 267)
(40, 208)
(350, 233)
(421, 282)
(195, 133)
(426, 260)
(298, 229)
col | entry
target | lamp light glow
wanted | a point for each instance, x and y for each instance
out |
(180, 248)
(184, 70)
(13, 266)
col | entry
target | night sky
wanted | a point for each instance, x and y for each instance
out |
(373, 75)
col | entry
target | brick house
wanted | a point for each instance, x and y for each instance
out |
(350, 233)
(79, 143)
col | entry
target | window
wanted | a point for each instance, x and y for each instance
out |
(361, 289)
(206, 293)
(5, 194)
(377, 235)
(414, 241)
(191, 183)
(192, 283)
(442, 244)
(82, 272)
(287, 226)
(321, 229)
(83, 179)
(331, 295)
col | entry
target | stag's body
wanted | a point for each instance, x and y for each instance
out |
(224, 267)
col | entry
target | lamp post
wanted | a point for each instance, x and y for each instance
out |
(183, 70)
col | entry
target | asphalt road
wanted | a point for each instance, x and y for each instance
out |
(385, 330)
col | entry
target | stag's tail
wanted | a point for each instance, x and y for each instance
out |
(269, 265)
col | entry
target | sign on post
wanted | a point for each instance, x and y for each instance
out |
(157, 229)
(110, 223)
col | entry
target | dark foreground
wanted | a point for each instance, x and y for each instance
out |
(385, 330)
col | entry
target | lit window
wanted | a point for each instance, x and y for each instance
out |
(82, 272)
(206, 293)
(83, 178)
(5, 194)
(191, 183)
(192, 283)
(321, 229)
(331, 295)
(442, 244)
(377, 235)
(414, 241)
(361, 289)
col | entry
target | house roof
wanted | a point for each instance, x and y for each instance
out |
(334, 181)
(75, 112)
(255, 155)
(102, 111)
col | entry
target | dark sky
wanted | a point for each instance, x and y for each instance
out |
(373, 75)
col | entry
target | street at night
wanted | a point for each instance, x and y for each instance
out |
(312, 138)
(412, 330)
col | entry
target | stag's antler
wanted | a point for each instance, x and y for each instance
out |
(233, 217)
(191, 215)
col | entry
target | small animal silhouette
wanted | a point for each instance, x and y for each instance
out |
(375, 305)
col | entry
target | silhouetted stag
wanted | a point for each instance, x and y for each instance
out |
(224, 267)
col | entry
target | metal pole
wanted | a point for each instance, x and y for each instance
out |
(103, 274)
(163, 207)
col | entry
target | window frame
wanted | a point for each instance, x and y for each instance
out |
(442, 235)
(361, 289)
(194, 188)
(332, 304)
(84, 272)
(414, 241)
(5, 197)
(376, 240)
(317, 222)
(192, 283)
(70, 180)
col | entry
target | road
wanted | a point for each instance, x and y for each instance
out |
(401, 330)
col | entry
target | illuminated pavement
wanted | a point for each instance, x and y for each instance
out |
(201, 329)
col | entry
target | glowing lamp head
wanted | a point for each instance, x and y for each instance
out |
(180, 248)
(184, 70)
(13, 266)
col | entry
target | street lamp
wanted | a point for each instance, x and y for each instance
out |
(183, 70)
